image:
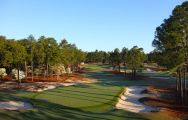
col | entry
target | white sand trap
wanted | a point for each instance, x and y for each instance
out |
(15, 105)
(68, 84)
(129, 100)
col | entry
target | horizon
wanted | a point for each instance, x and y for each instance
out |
(102, 25)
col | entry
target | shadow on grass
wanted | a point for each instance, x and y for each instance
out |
(91, 88)
(7, 95)
(81, 97)
(118, 79)
(89, 91)
(108, 78)
(51, 111)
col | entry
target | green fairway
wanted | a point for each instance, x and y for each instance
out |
(86, 101)
(81, 96)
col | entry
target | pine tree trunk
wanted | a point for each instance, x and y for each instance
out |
(72, 68)
(181, 85)
(47, 69)
(177, 81)
(18, 72)
(125, 71)
(113, 67)
(185, 85)
(32, 70)
(79, 68)
(25, 70)
(134, 73)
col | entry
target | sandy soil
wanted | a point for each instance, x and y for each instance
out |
(168, 101)
(15, 105)
(42, 84)
(129, 100)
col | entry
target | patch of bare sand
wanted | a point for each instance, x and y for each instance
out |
(42, 86)
(15, 105)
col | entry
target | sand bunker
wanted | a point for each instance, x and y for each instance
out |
(15, 105)
(129, 100)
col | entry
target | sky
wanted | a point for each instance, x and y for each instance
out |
(90, 24)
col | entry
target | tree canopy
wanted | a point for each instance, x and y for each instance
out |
(135, 57)
(44, 51)
(171, 37)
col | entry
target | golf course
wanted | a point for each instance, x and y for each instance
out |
(94, 60)
(83, 101)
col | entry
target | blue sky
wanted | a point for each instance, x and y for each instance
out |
(90, 24)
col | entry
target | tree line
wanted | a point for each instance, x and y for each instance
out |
(171, 46)
(171, 39)
(44, 51)
(129, 58)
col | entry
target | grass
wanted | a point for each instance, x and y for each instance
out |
(86, 102)
(80, 96)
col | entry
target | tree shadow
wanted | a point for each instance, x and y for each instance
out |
(107, 78)
(51, 111)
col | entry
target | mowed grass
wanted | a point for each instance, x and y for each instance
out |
(82, 96)
(84, 102)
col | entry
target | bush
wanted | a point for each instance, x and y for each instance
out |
(58, 69)
(2, 72)
(15, 74)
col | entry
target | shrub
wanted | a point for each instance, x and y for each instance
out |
(2, 72)
(15, 74)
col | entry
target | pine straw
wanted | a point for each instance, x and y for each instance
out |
(41, 83)
(168, 101)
